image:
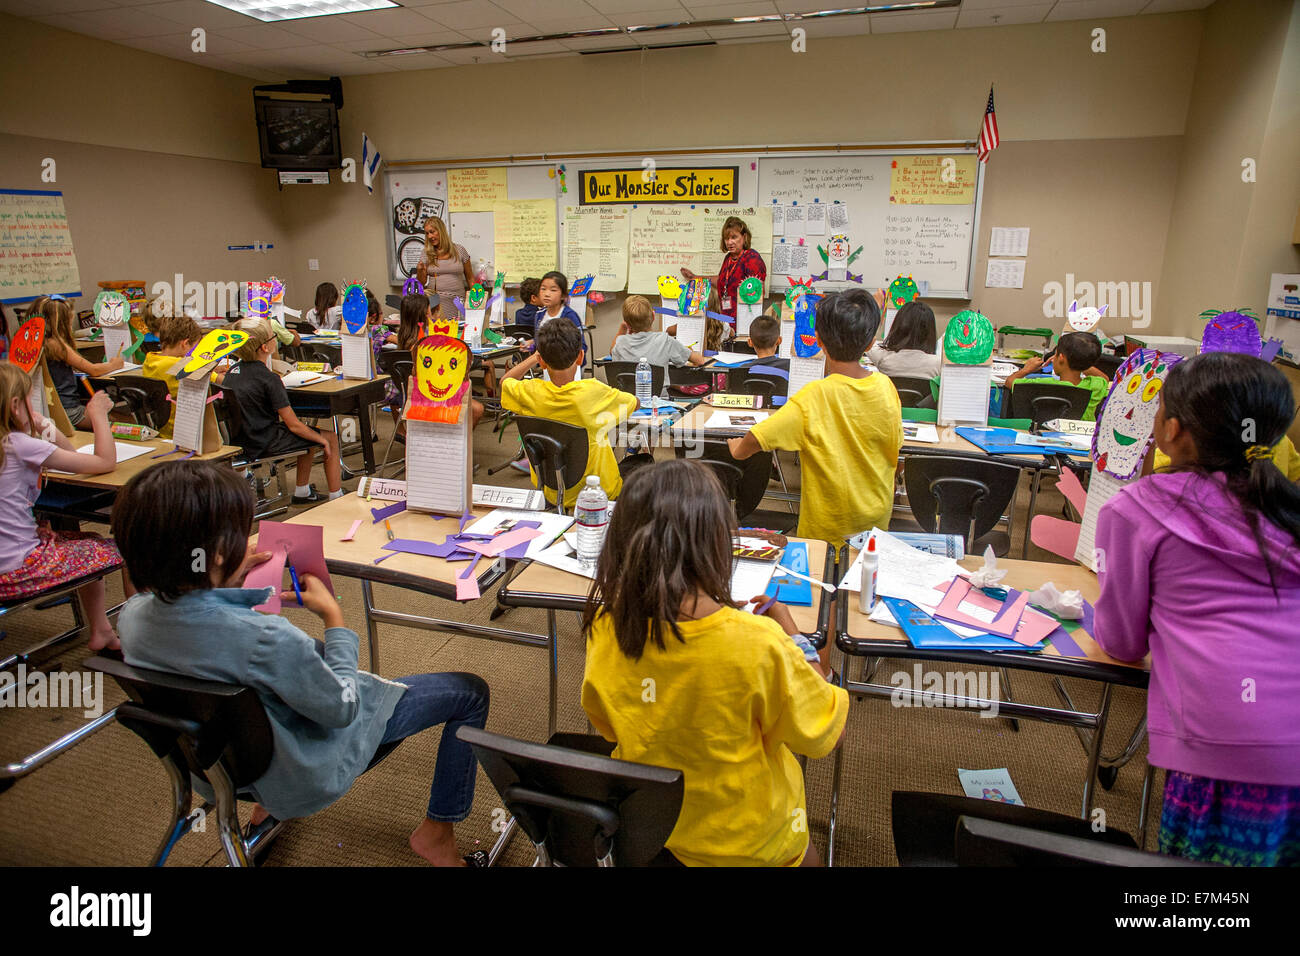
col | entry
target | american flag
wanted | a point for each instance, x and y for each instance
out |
(988, 131)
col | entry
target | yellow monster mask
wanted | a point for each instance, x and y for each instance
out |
(441, 379)
(669, 287)
(214, 346)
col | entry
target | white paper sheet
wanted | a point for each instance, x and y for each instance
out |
(690, 331)
(805, 370)
(553, 526)
(1009, 241)
(746, 313)
(191, 403)
(357, 357)
(920, 432)
(116, 340)
(125, 452)
(905, 572)
(731, 358)
(750, 578)
(1101, 488)
(786, 348)
(438, 466)
(1005, 274)
(796, 221)
(561, 555)
(778, 219)
(990, 784)
(816, 222)
(964, 394)
(837, 217)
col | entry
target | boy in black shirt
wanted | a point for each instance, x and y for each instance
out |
(270, 425)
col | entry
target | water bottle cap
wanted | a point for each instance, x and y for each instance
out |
(593, 481)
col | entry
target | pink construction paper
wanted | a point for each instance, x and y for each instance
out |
(502, 542)
(1004, 625)
(1034, 625)
(1055, 535)
(353, 530)
(1075, 494)
(305, 544)
(467, 583)
(269, 574)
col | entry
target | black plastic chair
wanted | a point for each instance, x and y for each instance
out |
(1109, 364)
(770, 386)
(516, 330)
(1043, 402)
(741, 346)
(622, 376)
(913, 392)
(925, 825)
(744, 483)
(398, 366)
(578, 805)
(690, 376)
(557, 452)
(230, 420)
(982, 842)
(965, 496)
(147, 398)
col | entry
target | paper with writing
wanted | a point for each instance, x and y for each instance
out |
(438, 466)
(964, 394)
(805, 370)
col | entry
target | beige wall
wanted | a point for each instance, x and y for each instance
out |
(1226, 236)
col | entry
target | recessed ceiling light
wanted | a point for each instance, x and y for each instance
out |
(269, 11)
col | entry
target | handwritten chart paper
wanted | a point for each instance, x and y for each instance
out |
(191, 404)
(36, 255)
(664, 239)
(596, 243)
(525, 242)
(476, 190)
(932, 180)
(759, 221)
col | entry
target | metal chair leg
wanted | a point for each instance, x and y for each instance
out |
(1006, 682)
(553, 652)
(181, 799)
(232, 840)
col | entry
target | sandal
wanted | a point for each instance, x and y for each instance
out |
(477, 860)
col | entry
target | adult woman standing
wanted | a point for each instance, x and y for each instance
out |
(740, 263)
(445, 268)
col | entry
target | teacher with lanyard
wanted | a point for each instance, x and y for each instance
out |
(740, 263)
(445, 268)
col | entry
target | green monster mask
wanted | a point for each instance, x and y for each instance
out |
(902, 291)
(476, 298)
(968, 339)
(751, 290)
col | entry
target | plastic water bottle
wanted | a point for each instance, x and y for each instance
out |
(644, 383)
(592, 514)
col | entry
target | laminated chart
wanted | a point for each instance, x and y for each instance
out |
(525, 243)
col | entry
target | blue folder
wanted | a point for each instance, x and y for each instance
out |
(924, 631)
(788, 589)
(1002, 441)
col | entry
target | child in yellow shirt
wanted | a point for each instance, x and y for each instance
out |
(679, 677)
(177, 334)
(847, 428)
(586, 403)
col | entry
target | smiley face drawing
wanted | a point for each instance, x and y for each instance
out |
(214, 346)
(1127, 415)
(441, 379)
(25, 349)
(968, 340)
(902, 291)
(1085, 319)
(1236, 331)
(750, 290)
(669, 287)
(111, 309)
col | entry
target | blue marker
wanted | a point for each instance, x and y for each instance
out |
(763, 608)
(293, 576)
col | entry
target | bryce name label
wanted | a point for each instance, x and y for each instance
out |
(713, 184)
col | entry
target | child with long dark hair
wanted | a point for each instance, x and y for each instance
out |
(1200, 567)
(679, 677)
(908, 349)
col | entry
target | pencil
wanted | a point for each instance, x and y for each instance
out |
(389, 528)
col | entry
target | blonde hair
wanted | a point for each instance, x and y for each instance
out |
(713, 333)
(259, 333)
(444, 239)
(14, 383)
(175, 329)
(637, 313)
(58, 327)
(735, 224)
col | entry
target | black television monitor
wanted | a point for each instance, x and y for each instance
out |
(298, 134)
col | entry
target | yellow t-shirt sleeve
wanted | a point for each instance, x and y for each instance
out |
(783, 429)
(802, 710)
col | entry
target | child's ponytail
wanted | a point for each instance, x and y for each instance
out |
(1269, 492)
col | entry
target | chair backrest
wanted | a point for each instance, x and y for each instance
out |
(398, 366)
(579, 806)
(557, 452)
(516, 329)
(740, 345)
(147, 397)
(199, 722)
(687, 375)
(1110, 364)
(913, 392)
(983, 842)
(229, 417)
(1043, 402)
(925, 824)
(761, 385)
(949, 494)
(622, 376)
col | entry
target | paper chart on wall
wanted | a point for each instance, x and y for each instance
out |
(815, 224)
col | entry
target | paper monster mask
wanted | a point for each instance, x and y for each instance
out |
(443, 324)
(902, 291)
(260, 296)
(1085, 319)
(25, 348)
(669, 287)
(111, 309)
(476, 297)
(355, 308)
(412, 287)
(1127, 415)
(1236, 331)
(582, 286)
(968, 340)
(214, 346)
(750, 290)
(440, 380)
(805, 329)
(694, 297)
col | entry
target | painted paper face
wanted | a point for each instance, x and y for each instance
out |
(413, 287)
(1126, 417)
(902, 291)
(355, 308)
(111, 309)
(694, 297)
(805, 328)
(499, 284)
(214, 346)
(25, 349)
(275, 289)
(799, 289)
(669, 287)
(442, 324)
(1085, 319)
(750, 290)
(259, 300)
(476, 298)
(441, 379)
(968, 340)
(837, 252)
(582, 286)
(1231, 332)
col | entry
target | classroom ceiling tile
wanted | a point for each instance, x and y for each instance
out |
(470, 57)
(389, 23)
(713, 10)
(805, 6)
(197, 13)
(333, 29)
(902, 22)
(530, 10)
(35, 8)
(436, 38)
(611, 7)
(418, 61)
(968, 5)
(516, 50)
(590, 21)
(181, 46)
(1174, 6)
(1004, 15)
(263, 36)
(745, 31)
(114, 24)
(1094, 9)
(467, 15)
(618, 42)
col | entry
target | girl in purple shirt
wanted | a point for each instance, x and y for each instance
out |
(1200, 568)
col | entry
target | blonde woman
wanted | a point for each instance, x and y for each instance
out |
(445, 268)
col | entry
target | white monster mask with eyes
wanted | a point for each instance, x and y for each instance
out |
(1127, 416)
(1085, 319)
(111, 309)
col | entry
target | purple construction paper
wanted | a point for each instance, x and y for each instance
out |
(427, 548)
(465, 519)
(469, 568)
(1232, 332)
(385, 557)
(1271, 348)
(1064, 643)
(388, 511)
(1087, 623)
(517, 552)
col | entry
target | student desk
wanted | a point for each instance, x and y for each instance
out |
(539, 585)
(119, 476)
(414, 572)
(858, 636)
(347, 396)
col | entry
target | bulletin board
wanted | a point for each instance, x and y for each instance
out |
(36, 254)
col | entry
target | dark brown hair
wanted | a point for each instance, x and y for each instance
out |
(174, 329)
(327, 296)
(764, 331)
(173, 520)
(913, 328)
(734, 224)
(415, 315)
(559, 343)
(669, 539)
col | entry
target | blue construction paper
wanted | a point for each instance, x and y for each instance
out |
(1002, 441)
(787, 589)
(924, 631)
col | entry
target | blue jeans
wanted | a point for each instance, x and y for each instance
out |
(452, 699)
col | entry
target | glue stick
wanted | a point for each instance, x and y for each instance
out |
(870, 567)
(132, 432)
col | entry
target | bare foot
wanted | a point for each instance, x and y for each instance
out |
(436, 842)
(104, 639)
